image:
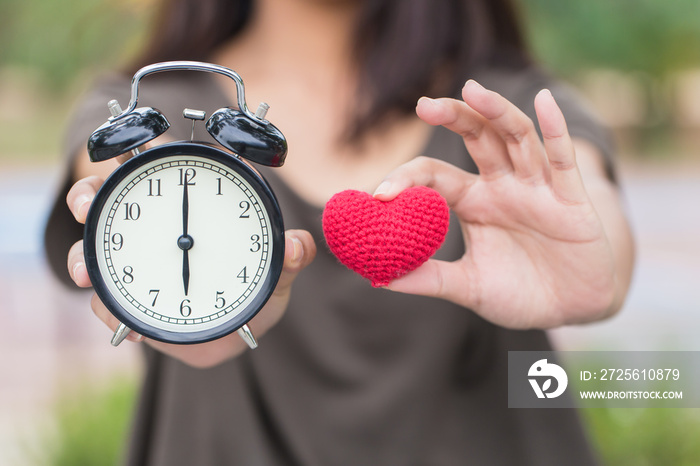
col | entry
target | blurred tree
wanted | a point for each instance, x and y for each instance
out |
(44, 47)
(632, 35)
(60, 39)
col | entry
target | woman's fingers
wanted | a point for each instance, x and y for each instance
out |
(83, 191)
(300, 250)
(76, 265)
(81, 195)
(515, 129)
(565, 176)
(450, 181)
(485, 146)
(502, 139)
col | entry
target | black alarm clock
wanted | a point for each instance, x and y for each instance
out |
(184, 242)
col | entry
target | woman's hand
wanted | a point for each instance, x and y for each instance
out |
(300, 250)
(538, 253)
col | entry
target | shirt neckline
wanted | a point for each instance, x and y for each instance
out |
(277, 181)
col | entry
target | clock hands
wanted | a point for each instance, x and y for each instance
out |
(185, 242)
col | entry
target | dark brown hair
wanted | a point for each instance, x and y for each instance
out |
(404, 48)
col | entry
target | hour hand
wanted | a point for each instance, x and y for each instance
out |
(185, 241)
(186, 270)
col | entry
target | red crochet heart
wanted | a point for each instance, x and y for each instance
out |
(385, 240)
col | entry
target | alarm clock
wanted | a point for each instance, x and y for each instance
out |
(184, 242)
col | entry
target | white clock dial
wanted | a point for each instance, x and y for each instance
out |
(184, 243)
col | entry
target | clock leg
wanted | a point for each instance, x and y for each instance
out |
(120, 334)
(247, 336)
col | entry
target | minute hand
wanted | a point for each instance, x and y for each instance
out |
(185, 207)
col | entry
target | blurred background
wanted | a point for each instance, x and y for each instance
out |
(66, 395)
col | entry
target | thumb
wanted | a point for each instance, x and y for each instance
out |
(299, 252)
(453, 281)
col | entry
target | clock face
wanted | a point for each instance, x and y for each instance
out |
(187, 243)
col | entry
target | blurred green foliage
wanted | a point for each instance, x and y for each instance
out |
(91, 426)
(60, 39)
(651, 36)
(639, 437)
(48, 50)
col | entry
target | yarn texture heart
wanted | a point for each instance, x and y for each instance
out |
(383, 241)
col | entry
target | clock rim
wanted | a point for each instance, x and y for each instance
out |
(269, 202)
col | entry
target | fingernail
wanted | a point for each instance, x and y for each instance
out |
(76, 269)
(383, 188)
(135, 337)
(83, 205)
(474, 84)
(428, 101)
(298, 251)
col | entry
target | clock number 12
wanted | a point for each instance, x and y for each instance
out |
(186, 176)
